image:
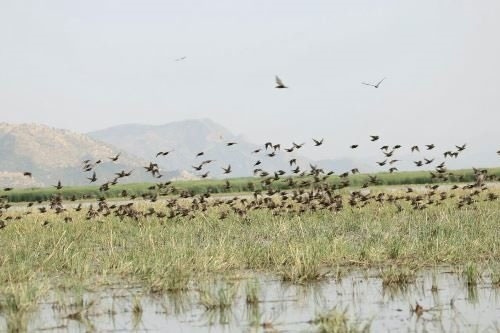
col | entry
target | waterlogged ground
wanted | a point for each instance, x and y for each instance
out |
(266, 304)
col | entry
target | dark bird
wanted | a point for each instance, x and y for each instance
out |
(163, 153)
(415, 148)
(428, 161)
(27, 174)
(58, 186)
(115, 158)
(298, 146)
(93, 178)
(462, 147)
(293, 161)
(197, 168)
(200, 154)
(207, 162)
(382, 163)
(256, 151)
(374, 85)
(318, 143)
(391, 170)
(230, 143)
(279, 83)
(228, 169)
(418, 163)
(268, 145)
(289, 150)
(431, 146)
(257, 163)
(205, 175)
(272, 154)
(374, 137)
(353, 146)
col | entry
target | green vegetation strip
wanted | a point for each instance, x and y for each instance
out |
(219, 186)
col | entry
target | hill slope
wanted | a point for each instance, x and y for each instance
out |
(186, 139)
(54, 154)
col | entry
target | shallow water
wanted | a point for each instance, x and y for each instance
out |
(283, 307)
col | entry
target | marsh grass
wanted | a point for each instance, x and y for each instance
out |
(16, 306)
(472, 275)
(171, 255)
(495, 276)
(336, 321)
(395, 276)
(252, 291)
(218, 295)
(302, 265)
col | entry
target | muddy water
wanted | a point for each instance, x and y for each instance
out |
(282, 307)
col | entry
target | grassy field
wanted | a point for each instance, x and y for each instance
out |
(40, 252)
(165, 253)
(218, 186)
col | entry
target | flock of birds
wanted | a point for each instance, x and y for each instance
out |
(304, 190)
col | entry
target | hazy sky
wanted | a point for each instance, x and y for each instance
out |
(86, 65)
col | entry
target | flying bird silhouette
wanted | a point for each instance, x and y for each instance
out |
(115, 158)
(318, 143)
(279, 83)
(374, 85)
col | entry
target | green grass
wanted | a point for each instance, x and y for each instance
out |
(218, 186)
(174, 255)
(165, 254)
(336, 321)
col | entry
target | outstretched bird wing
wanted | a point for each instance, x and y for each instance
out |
(379, 82)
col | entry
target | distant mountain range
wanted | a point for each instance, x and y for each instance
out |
(188, 138)
(53, 154)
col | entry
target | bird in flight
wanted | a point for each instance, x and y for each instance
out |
(115, 158)
(163, 153)
(374, 85)
(374, 137)
(181, 58)
(27, 174)
(318, 142)
(279, 83)
(228, 169)
(93, 178)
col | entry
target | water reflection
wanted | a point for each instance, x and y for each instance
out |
(435, 301)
